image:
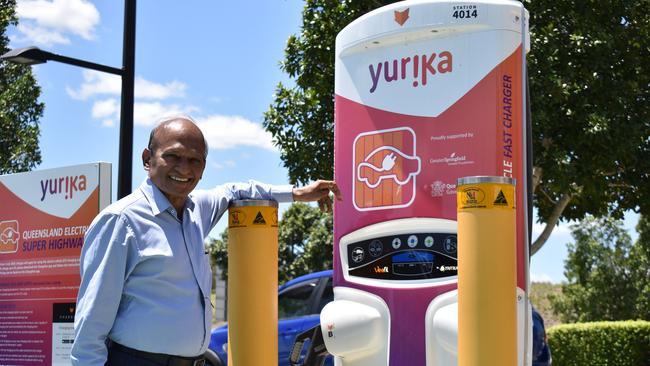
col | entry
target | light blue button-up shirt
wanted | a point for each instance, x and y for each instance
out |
(145, 276)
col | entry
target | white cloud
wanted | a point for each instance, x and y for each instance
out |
(96, 83)
(147, 114)
(105, 108)
(144, 114)
(37, 35)
(99, 83)
(48, 22)
(540, 277)
(108, 110)
(222, 132)
(150, 90)
(227, 132)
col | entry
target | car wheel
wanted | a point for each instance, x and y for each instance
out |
(211, 358)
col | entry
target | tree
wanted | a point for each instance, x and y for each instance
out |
(218, 249)
(607, 275)
(301, 118)
(304, 241)
(590, 88)
(19, 106)
(641, 268)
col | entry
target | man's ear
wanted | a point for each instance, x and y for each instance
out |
(146, 157)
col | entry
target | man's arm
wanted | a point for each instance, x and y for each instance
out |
(103, 267)
(215, 202)
(318, 191)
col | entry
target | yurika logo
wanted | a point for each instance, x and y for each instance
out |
(419, 67)
(66, 186)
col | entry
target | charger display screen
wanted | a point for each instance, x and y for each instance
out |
(404, 257)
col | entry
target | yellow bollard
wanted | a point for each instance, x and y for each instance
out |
(253, 283)
(487, 272)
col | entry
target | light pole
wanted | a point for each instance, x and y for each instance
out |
(34, 55)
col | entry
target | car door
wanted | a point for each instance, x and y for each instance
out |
(295, 303)
(323, 294)
(325, 297)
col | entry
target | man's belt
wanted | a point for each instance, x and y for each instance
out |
(159, 358)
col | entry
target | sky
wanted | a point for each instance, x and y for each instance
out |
(218, 61)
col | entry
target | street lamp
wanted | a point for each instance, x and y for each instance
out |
(34, 56)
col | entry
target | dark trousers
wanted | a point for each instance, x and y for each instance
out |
(117, 358)
(119, 355)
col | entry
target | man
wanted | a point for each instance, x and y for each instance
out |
(144, 297)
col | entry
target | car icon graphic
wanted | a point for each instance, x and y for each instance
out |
(9, 236)
(394, 165)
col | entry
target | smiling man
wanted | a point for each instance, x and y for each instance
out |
(144, 297)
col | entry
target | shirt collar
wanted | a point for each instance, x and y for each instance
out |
(158, 201)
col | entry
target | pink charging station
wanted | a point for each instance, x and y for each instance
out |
(426, 92)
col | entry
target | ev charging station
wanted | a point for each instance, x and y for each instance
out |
(426, 92)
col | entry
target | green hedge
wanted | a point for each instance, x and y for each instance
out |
(621, 343)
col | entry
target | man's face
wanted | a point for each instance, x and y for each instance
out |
(177, 161)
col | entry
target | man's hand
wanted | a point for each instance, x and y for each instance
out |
(318, 191)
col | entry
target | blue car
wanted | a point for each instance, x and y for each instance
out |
(299, 304)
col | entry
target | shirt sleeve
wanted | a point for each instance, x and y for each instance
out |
(219, 198)
(257, 190)
(104, 263)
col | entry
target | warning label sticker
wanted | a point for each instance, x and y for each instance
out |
(486, 195)
(259, 219)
